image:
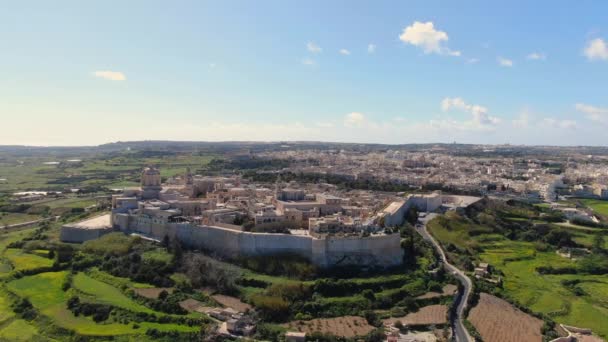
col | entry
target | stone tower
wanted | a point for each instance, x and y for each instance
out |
(150, 183)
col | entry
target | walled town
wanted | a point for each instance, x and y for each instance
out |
(231, 217)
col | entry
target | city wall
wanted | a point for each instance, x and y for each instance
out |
(375, 250)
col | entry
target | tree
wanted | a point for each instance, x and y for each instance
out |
(369, 295)
(598, 242)
(412, 215)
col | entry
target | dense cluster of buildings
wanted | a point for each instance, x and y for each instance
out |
(234, 218)
(482, 172)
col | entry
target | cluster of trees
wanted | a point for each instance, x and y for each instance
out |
(168, 303)
(203, 271)
(25, 309)
(289, 265)
(99, 312)
(133, 266)
(339, 287)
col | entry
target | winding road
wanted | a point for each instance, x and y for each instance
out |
(459, 331)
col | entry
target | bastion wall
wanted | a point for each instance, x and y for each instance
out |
(374, 250)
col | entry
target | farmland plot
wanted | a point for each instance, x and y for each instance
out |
(497, 320)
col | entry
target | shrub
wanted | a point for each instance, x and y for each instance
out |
(272, 308)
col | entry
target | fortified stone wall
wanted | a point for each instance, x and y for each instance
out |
(380, 250)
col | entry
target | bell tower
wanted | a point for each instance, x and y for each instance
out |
(150, 183)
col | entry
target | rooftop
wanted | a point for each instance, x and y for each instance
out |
(99, 222)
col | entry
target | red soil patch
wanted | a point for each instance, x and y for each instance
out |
(448, 290)
(153, 292)
(231, 302)
(432, 314)
(497, 320)
(346, 326)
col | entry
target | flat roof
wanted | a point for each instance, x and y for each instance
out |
(393, 207)
(99, 222)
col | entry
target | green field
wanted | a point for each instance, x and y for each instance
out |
(518, 261)
(159, 254)
(21, 260)
(30, 173)
(601, 207)
(19, 330)
(13, 218)
(100, 292)
(45, 293)
(545, 293)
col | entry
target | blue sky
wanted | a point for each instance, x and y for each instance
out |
(517, 72)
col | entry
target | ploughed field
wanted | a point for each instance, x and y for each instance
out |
(347, 326)
(428, 315)
(497, 320)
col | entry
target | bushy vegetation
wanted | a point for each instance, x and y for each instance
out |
(289, 265)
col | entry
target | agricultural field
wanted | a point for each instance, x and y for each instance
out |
(22, 260)
(598, 206)
(427, 315)
(117, 170)
(7, 219)
(100, 292)
(518, 261)
(347, 326)
(497, 320)
(19, 330)
(45, 292)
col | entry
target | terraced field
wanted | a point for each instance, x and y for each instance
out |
(546, 294)
(45, 292)
(497, 320)
(22, 260)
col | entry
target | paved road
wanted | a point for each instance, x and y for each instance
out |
(459, 332)
(28, 223)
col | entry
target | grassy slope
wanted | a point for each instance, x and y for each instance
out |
(601, 207)
(19, 330)
(26, 261)
(13, 218)
(103, 293)
(44, 291)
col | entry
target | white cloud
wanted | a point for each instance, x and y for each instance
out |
(505, 62)
(308, 61)
(522, 121)
(324, 124)
(344, 52)
(480, 117)
(314, 48)
(212, 65)
(354, 119)
(596, 49)
(110, 75)
(371, 48)
(593, 113)
(556, 123)
(536, 56)
(426, 37)
(473, 60)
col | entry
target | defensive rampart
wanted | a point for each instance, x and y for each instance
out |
(375, 250)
